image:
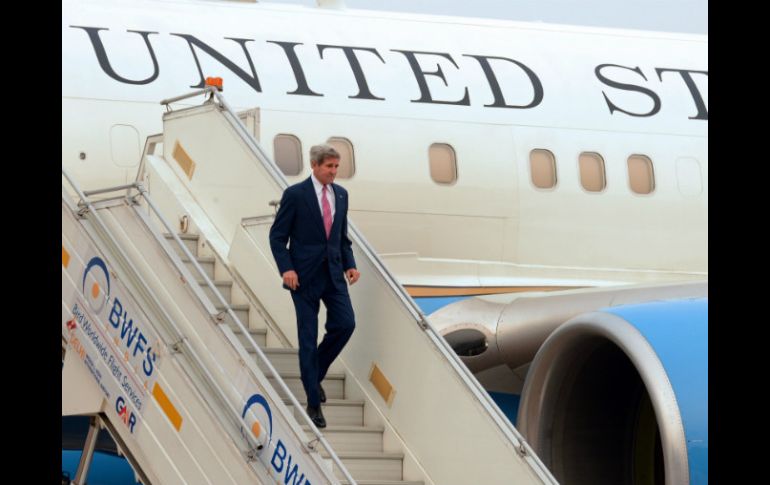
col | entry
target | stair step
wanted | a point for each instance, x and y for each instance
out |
(338, 412)
(189, 240)
(206, 262)
(334, 385)
(258, 334)
(351, 438)
(287, 360)
(369, 465)
(241, 311)
(224, 287)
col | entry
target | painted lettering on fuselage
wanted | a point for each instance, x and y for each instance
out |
(423, 65)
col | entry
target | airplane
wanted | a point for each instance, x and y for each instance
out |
(542, 165)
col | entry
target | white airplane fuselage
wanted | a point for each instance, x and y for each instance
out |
(393, 85)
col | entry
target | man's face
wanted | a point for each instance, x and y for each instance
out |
(326, 172)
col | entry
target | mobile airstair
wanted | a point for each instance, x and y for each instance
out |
(401, 409)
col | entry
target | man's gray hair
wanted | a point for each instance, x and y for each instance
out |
(319, 153)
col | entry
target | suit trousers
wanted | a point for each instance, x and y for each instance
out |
(314, 360)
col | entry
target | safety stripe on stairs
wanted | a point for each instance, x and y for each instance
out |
(168, 408)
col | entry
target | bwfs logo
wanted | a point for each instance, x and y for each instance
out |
(97, 291)
(135, 338)
(255, 412)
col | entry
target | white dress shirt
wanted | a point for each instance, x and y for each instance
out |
(318, 186)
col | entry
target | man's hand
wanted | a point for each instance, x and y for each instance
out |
(352, 275)
(291, 279)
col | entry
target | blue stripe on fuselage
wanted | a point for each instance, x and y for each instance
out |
(429, 304)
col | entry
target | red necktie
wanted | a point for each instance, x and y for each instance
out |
(327, 208)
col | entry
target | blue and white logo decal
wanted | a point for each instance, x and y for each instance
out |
(260, 413)
(98, 293)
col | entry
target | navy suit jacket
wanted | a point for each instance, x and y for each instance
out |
(299, 223)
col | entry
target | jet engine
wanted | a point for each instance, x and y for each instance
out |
(621, 396)
(617, 389)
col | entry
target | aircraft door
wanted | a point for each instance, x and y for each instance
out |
(124, 146)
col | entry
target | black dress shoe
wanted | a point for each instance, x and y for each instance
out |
(321, 393)
(316, 416)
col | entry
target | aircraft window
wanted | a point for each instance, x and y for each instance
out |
(443, 163)
(542, 167)
(287, 151)
(640, 175)
(592, 172)
(348, 158)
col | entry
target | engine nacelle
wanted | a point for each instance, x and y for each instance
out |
(621, 396)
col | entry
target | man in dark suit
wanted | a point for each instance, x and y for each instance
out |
(312, 219)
